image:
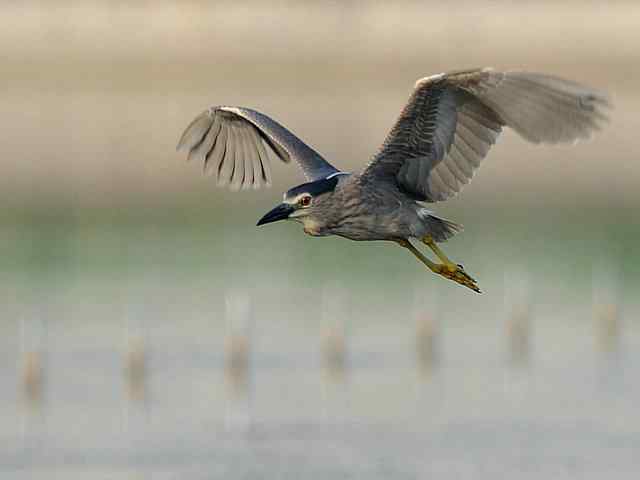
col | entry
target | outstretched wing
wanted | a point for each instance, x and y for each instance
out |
(229, 140)
(452, 120)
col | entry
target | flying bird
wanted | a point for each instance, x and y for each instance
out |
(439, 140)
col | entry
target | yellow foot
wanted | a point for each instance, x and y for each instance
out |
(447, 269)
(458, 275)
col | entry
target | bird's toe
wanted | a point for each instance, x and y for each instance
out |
(458, 275)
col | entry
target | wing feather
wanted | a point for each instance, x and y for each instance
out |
(232, 139)
(201, 151)
(461, 176)
(452, 120)
(249, 179)
(264, 161)
(237, 179)
(215, 156)
(252, 158)
(194, 133)
(227, 167)
(461, 162)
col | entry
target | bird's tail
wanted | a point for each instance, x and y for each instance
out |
(441, 229)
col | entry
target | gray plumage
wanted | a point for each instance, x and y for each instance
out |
(229, 141)
(442, 135)
(452, 120)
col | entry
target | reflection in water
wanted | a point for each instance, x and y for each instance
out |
(135, 362)
(237, 360)
(33, 363)
(427, 344)
(33, 378)
(378, 411)
(136, 407)
(426, 311)
(32, 390)
(518, 321)
(605, 285)
(518, 332)
(334, 351)
(608, 328)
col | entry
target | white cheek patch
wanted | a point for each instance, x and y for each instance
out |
(297, 213)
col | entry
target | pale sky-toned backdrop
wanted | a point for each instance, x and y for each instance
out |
(95, 94)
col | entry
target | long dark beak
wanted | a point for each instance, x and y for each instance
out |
(281, 212)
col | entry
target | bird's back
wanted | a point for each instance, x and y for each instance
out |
(360, 209)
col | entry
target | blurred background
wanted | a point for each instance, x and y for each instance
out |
(149, 330)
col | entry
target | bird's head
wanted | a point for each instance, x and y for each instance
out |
(301, 202)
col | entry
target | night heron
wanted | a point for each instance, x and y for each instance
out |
(437, 143)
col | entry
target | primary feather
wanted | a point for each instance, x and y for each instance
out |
(229, 141)
(452, 120)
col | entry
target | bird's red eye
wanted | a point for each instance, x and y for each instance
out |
(305, 201)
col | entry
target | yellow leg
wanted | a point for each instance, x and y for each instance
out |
(434, 267)
(448, 269)
(429, 242)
